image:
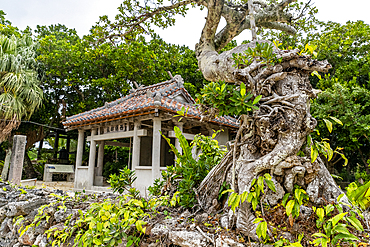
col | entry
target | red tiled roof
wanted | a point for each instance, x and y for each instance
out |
(159, 96)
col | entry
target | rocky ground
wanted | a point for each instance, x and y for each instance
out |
(171, 227)
(168, 227)
(22, 205)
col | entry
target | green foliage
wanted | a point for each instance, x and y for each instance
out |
(362, 174)
(20, 91)
(359, 196)
(346, 48)
(104, 224)
(263, 53)
(334, 227)
(292, 206)
(228, 99)
(261, 229)
(287, 243)
(124, 182)
(351, 105)
(323, 147)
(307, 26)
(115, 159)
(189, 171)
(254, 196)
(82, 73)
(6, 27)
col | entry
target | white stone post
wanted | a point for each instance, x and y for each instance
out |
(136, 146)
(4, 174)
(80, 151)
(17, 158)
(99, 170)
(156, 150)
(92, 156)
(98, 174)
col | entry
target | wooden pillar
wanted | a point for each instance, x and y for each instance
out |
(156, 149)
(79, 152)
(136, 146)
(92, 156)
(56, 145)
(68, 145)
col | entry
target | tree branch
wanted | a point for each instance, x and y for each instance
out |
(142, 18)
(285, 3)
(272, 17)
(213, 19)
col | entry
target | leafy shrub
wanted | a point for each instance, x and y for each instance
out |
(334, 226)
(228, 99)
(124, 182)
(359, 174)
(359, 196)
(292, 206)
(103, 224)
(189, 171)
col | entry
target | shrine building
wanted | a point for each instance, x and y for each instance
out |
(140, 116)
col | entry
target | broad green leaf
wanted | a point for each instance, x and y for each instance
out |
(314, 153)
(271, 185)
(345, 237)
(337, 218)
(329, 208)
(340, 228)
(262, 229)
(319, 234)
(257, 220)
(289, 207)
(343, 157)
(257, 99)
(321, 213)
(235, 203)
(244, 196)
(337, 120)
(232, 198)
(285, 199)
(227, 191)
(329, 125)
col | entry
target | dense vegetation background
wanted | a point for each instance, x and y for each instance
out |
(81, 73)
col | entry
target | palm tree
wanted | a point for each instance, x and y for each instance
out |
(20, 93)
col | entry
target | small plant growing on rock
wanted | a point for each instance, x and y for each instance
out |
(124, 182)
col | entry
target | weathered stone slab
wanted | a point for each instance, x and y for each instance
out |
(16, 160)
(4, 173)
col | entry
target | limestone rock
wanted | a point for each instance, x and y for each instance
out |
(187, 239)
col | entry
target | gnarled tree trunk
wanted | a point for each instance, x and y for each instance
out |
(269, 138)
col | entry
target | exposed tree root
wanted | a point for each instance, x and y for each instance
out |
(269, 140)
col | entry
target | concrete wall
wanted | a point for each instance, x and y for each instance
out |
(82, 178)
(144, 179)
(223, 137)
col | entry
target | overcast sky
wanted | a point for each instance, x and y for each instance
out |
(82, 14)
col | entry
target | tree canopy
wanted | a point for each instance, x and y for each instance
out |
(20, 94)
